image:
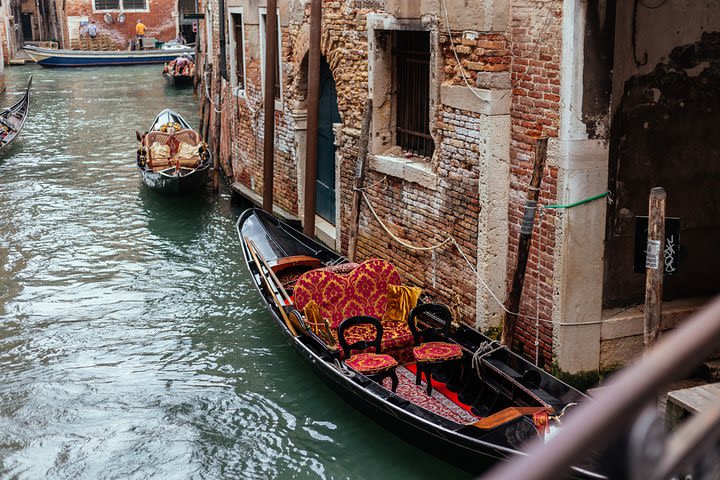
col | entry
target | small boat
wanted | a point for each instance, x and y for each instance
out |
(183, 77)
(50, 57)
(12, 119)
(172, 157)
(481, 404)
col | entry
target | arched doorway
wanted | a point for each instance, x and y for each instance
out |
(329, 114)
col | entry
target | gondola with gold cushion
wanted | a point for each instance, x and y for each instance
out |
(12, 119)
(172, 157)
(446, 388)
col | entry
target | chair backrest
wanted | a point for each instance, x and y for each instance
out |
(440, 312)
(363, 291)
(368, 340)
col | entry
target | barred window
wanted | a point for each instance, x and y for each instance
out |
(412, 78)
(120, 4)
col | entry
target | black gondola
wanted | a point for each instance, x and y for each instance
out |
(178, 80)
(172, 158)
(483, 406)
(12, 119)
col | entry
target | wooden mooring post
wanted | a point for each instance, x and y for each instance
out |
(655, 266)
(512, 304)
(359, 179)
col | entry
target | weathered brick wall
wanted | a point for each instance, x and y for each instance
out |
(536, 48)
(159, 20)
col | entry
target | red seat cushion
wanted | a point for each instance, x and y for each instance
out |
(396, 335)
(437, 351)
(369, 363)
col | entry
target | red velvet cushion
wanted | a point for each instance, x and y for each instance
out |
(369, 363)
(436, 351)
(360, 292)
(396, 335)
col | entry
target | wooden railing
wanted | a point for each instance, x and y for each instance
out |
(624, 413)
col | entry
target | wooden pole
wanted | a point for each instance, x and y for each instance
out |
(217, 92)
(271, 42)
(655, 266)
(313, 118)
(359, 178)
(512, 304)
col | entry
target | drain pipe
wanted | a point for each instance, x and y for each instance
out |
(313, 118)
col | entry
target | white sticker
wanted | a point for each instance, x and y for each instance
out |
(652, 260)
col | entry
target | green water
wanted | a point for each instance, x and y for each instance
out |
(132, 344)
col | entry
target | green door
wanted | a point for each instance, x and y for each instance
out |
(329, 114)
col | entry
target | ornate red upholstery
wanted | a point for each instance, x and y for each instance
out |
(363, 291)
(369, 363)
(360, 292)
(437, 351)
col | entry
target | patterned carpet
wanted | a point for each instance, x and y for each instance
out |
(437, 403)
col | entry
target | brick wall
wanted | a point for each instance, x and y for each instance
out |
(536, 48)
(159, 20)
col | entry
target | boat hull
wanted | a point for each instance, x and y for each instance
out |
(52, 58)
(14, 117)
(174, 184)
(178, 80)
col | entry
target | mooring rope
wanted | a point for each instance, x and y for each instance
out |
(452, 240)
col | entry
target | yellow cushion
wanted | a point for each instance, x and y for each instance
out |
(317, 323)
(400, 300)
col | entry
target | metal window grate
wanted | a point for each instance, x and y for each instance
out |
(107, 4)
(134, 4)
(239, 50)
(412, 74)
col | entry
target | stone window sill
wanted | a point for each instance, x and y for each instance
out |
(408, 169)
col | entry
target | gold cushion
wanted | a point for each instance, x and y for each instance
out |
(400, 300)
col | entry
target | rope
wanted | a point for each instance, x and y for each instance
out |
(359, 189)
(579, 202)
(452, 240)
(207, 94)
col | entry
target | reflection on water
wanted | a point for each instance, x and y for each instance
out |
(132, 344)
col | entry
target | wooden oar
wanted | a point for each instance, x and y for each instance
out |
(274, 278)
(276, 300)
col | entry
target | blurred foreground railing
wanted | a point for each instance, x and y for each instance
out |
(624, 413)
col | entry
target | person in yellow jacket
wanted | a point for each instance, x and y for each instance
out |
(140, 32)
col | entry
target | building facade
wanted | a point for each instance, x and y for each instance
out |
(462, 90)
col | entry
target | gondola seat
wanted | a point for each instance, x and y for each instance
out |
(361, 292)
(432, 349)
(374, 365)
(166, 150)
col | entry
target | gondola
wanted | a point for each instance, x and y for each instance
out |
(178, 80)
(482, 405)
(172, 157)
(12, 119)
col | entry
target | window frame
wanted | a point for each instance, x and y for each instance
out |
(262, 15)
(120, 8)
(233, 43)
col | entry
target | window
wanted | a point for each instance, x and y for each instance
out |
(237, 49)
(412, 80)
(120, 5)
(278, 70)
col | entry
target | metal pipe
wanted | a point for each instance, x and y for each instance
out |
(313, 118)
(271, 58)
(596, 423)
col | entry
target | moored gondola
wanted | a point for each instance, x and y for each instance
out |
(172, 157)
(12, 119)
(448, 389)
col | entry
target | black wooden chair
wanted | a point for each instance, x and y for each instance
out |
(432, 349)
(375, 365)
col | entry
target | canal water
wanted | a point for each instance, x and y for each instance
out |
(132, 344)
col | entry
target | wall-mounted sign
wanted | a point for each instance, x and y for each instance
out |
(194, 24)
(648, 255)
